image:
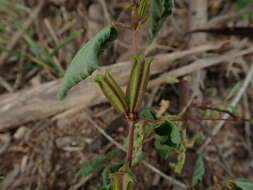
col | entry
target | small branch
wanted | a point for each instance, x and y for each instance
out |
(6, 85)
(148, 165)
(222, 158)
(135, 44)
(106, 12)
(199, 64)
(234, 102)
(220, 20)
(247, 125)
(235, 117)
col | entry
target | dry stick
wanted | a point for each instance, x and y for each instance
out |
(220, 20)
(233, 103)
(222, 158)
(18, 34)
(56, 40)
(247, 124)
(197, 17)
(148, 165)
(199, 64)
(106, 12)
(39, 102)
(6, 85)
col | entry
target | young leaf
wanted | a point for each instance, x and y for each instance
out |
(147, 114)
(41, 55)
(179, 165)
(151, 124)
(168, 134)
(234, 91)
(167, 138)
(106, 177)
(244, 184)
(161, 9)
(172, 80)
(107, 173)
(142, 9)
(112, 92)
(2, 176)
(199, 170)
(163, 150)
(98, 162)
(124, 179)
(138, 81)
(86, 60)
(241, 5)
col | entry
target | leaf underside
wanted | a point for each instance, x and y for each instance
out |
(86, 60)
(161, 9)
(100, 160)
(244, 184)
(199, 170)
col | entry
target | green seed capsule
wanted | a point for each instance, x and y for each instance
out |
(138, 82)
(112, 92)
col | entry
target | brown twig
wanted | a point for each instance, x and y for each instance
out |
(220, 20)
(236, 117)
(247, 125)
(234, 102)
(199, 64)
(32, 104)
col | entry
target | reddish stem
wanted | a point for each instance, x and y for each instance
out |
(130, 143)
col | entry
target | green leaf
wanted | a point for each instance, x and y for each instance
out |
(168, 134)
(98, 162)
(196, 139)
(179, 165)
(151, 124)
(167, 138)
(138, 82)
(148, 114)
(163, 150)
(2, 176)
(41, 54)
(234, 91)
(124, 179)
(161, 9)
(199, 170)
(106, 175)
(86, 60)
(241, 5)
(244, 184)
(172, 80)
(142, 9)
(112, 92)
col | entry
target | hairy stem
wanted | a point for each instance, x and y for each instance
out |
(130, 142)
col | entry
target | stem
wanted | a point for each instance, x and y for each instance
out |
(135, 42)
(130, 142)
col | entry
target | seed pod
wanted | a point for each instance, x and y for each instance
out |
(138, 82)
(142, 9)
(112, 92)
(123, 180)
